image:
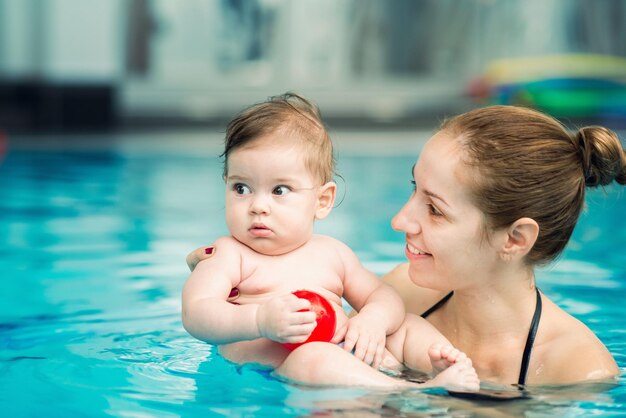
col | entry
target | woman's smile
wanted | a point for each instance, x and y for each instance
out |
(414, 253)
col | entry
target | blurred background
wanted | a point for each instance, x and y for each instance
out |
(112, 117)
(70, 65)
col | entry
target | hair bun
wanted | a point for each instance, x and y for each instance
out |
(603, 158)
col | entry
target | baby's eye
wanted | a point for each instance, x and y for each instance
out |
(241, 188)
(414, 185)
(281, 190)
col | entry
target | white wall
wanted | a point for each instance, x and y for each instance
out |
(62, 40)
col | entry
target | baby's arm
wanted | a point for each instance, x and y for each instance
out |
(208, 316)
(380, 310)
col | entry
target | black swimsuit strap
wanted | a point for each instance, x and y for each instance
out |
(437, 305)
(530, 340)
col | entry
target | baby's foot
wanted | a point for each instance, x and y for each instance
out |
(460, 376)
(443, 356)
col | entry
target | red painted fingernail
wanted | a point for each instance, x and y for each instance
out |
(233, 292)
(209, 250)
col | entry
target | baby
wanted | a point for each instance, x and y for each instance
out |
(278, 172)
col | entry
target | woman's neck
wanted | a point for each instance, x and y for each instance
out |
(499, 308)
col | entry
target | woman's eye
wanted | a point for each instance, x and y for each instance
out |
(281, 190)
(241, 188)
(433, 210)
(413, 185)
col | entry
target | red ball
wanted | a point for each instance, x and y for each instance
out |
(325, 317)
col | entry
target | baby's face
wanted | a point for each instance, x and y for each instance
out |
(271, 198)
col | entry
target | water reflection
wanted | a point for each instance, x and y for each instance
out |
(92, 257)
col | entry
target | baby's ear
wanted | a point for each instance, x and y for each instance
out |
(325, 199)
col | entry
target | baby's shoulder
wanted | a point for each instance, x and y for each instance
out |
(226, 241)
(333, 249)
(228, 246)
(329, 243)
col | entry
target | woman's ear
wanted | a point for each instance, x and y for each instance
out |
(521, 237)
(325, 199)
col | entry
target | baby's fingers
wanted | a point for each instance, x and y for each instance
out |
(301, 318)
(361, 348)
(379, 354)
(298, 333)
(370, 351)
(350, 341)
(340, 335)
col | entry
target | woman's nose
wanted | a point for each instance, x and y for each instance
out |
(405, 221)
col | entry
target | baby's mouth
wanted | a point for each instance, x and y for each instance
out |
(259, 230)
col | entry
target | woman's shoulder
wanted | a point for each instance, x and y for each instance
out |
(570, 351)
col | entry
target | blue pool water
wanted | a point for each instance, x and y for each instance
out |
(93, 235)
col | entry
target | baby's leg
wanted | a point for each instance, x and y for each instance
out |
(319, 363)
(327, 364)
(410, 344)
(261, 351)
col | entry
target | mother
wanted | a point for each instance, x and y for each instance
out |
(498, 191)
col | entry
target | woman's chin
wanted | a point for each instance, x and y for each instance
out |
(421, 278)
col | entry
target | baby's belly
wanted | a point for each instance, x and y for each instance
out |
(247, 298)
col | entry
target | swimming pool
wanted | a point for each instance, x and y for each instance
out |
(94, 231)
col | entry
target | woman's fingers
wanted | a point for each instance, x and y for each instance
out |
(197, 255)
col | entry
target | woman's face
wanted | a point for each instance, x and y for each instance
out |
(445, 245)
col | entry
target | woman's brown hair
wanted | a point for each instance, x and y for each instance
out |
(529, 165)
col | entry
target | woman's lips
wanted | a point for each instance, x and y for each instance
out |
(414, 253)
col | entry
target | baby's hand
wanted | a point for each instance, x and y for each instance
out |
(367, 338)
(279, 319)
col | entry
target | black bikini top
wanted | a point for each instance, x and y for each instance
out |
(530, 340)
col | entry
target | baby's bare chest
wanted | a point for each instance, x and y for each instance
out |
(284, 274)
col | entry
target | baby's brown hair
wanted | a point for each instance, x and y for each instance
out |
(296, 117)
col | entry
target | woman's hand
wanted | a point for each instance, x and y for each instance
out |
(197, 255)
